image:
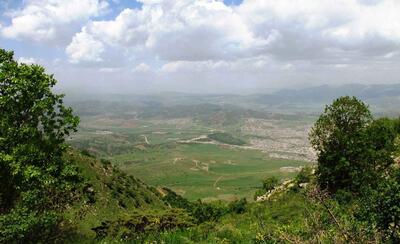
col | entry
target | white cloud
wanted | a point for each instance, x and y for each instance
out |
(85, 48)
(178, 30)
(325, 29)
(27, 60)
(188, 30)
(142, 68)
(259, 41)
(51, 21)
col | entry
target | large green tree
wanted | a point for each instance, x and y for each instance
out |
(353, 149)
(35, 180)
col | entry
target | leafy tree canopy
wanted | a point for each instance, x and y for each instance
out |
(353, 149)
(34, 123)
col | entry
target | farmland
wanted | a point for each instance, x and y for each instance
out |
(203, 154)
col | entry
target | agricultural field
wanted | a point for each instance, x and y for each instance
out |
(205, 171)
(200, 157)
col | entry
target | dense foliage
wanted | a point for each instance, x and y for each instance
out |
(35, 180)
(353, 149)
(381, 206)
(137, 225)
(356, 163)
(203, 212)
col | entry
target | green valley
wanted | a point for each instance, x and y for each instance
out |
(196, 158)
(186, 168)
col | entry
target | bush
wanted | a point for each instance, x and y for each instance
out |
(270, 183)
(238, 206)
(22, 225)
(106, 163)
(209, 211)
(258, 193)
(304, 176)
(382, 206)
(86, 153)
(140, 224)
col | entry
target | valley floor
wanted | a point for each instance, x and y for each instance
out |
(179, 154)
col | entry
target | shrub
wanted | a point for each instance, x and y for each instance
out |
(86, 153)
(382, 207)
(238, 206)
(140, 224)
(270, 183)
(258, 193)
(304, 176)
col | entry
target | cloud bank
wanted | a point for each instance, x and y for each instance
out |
(258, 43)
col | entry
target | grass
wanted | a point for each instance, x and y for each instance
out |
(253, 226)
(204, 170)
(109, 188)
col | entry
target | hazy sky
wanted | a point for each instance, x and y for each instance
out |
(205, 45)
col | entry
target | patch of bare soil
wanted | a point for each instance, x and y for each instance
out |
(290, 169)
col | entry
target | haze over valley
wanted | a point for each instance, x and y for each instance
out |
(168, 139)
(200, 121)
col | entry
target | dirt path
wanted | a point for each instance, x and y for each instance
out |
(219, 178)
(146, 140)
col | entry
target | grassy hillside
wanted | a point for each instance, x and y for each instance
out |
(205, 171)
(291, 215)
(107, 194)
(115, 207)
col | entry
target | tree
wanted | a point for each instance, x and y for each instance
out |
(353, 149)
(338, 136)
(34, 177)
(381, 136)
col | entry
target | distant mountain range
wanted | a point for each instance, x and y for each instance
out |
(325, 93)
(383, 99)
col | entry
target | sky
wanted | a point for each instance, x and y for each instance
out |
(205, 46)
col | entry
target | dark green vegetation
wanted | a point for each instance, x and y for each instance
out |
(354, 150)
(50, 193)
(356, 162)
(34, 177)
(106, 194)
(226, 138)
(268, 185)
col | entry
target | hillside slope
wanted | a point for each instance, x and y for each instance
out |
(107, 195)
